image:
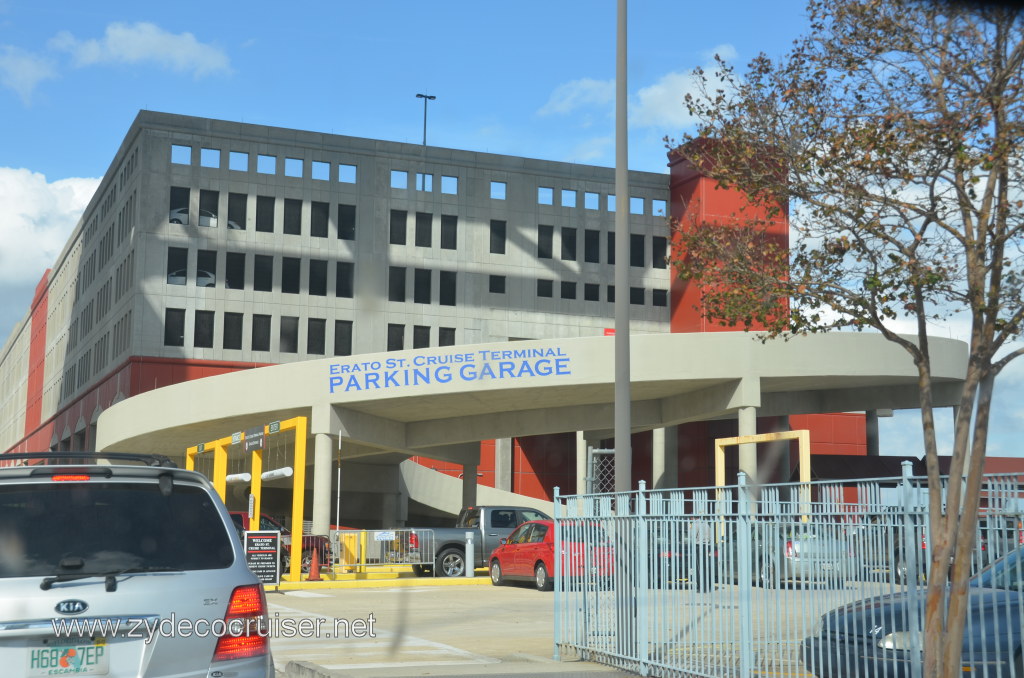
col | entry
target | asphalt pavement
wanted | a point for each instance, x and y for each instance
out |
(419, 628)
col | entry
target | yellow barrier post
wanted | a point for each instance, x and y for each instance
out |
(256, 486)
(220, 470)
(220, 467)
(190, 456)
(298, 494)
(802, 436)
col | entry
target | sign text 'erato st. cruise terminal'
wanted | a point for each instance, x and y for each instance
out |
(463, 366)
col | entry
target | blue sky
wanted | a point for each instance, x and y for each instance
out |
(528, 78)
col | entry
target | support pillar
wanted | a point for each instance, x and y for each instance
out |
(503, 464)
(658, 474)
(665, 457)
(583, 443)
(581, 463)
(322, 467)
(871, 432)
(748, 451)
(775, 462)
(469, 484)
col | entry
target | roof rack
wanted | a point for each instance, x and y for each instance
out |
(54, 458)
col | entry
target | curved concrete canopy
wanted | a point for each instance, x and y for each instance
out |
(389, 405)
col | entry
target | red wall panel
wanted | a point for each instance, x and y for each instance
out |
(37, 355)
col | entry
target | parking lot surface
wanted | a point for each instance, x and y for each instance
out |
(418, 631)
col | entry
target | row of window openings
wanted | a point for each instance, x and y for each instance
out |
(238, 161)
(262, 272)
(291, 275)
(318, 217)
(568, 197)
(399, 227)
(424, 181)
(232, 333)
(592, 292)
(420, 336)
(496, 284)
(238, 211)
(591, 245)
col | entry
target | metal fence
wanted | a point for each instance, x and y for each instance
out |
(766, 580)
(357, 549)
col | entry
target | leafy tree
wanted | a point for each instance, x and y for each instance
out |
(893, 130)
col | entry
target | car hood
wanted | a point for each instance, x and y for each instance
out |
(881, 615)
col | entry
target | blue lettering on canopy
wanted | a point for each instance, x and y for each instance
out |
(425, 370)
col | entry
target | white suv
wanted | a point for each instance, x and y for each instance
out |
(119, 570)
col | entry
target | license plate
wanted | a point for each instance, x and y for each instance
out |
(84, 659)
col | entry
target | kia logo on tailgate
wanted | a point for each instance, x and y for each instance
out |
(71, 607)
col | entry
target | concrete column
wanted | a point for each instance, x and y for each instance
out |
(503, 464)
(322, 467)
(581, 462)
(748, 451)
(871, 432)
(658, 459)
(671, 445)
(469, 484)
(774, 460)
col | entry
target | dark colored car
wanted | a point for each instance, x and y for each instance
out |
(528, 554)
(320, 543)
(881, 542)
(685, 554)
(876, 637)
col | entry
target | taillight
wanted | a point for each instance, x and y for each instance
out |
(73, 477)
(246, 624)
(789, 549)
(414, 540)
(1020, 532)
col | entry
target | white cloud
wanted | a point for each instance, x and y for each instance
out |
(584, 93)
(661, 104)
(36, 219)
(592, 149)
(658, 105)
(725, 50)
(22, 71)
(145, 42)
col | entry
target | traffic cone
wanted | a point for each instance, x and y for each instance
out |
(314, 567)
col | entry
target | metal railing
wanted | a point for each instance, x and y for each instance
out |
(746, 580)
(357, 549)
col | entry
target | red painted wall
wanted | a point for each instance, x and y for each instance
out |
(37, 355)
(696, 199)
(135, 375)
(844, 433)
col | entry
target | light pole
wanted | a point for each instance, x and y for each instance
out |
(623, 393)
(426, 98)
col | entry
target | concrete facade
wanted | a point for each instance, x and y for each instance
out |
(475, 247)
(217, 249)
(382, 408)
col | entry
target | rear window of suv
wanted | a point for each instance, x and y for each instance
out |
(100, 527)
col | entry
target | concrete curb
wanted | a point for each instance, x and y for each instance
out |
(482, 580)
(308, 670)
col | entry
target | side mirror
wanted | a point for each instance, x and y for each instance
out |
(503, 541)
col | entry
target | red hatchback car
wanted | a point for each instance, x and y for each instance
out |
(528, 554)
